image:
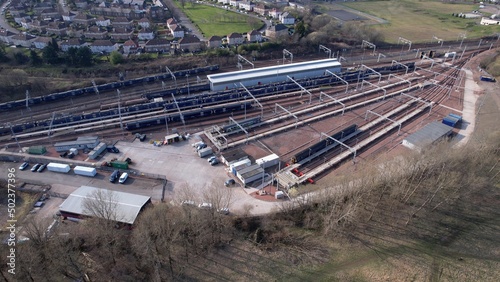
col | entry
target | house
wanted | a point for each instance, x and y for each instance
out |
(104, 46)
(144, 23)
(68, 16)
(24, 40)
(157, 12)
(50, 13)
(170, 22)
(190, 43)
(20, 17)
(254, 36)
(72, 42)
(25, 23)
(130, 47)
(38, 25)
(277, 31)
(286, 18)
(81, 4)
(5, 36)
(95, 32)
(247, 5)
(41, 42)
(122, 22)
(260, 9)
(235, 39)
(102, 21)
(224, 2)
(274, 13)
(57, 28)
(235, 3)
(176, 31)
(145, 34)
(214, 42)
(121, 33)
(83, 19)
(157, 45)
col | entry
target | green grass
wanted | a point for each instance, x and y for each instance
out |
(420, 20)
(216, 21)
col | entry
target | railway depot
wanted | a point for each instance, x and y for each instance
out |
(290, 125)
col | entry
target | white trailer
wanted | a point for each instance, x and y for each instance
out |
(85, 171)
(56, 167)
(268, 161)
(205, 152)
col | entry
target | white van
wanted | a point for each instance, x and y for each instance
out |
(123, 177)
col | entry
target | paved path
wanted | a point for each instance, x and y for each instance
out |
(469, 109)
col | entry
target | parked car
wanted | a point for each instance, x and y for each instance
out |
(224, 210)
(205, 206)
(229, 182)
(214, 162)
(188, 203)
(211, 159)
(63, 155)
(42, 168)
(123, 178)
(201, 146)
(35, 167)
(114, 176)
(23, 166)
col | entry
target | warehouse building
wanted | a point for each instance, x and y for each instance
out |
(126, 206)
(266, 75)
(428, 135)
(83, 142)
(232, 156)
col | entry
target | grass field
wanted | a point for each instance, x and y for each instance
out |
(419, 21)
(216, 21)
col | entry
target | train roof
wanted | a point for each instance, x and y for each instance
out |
(273, 70)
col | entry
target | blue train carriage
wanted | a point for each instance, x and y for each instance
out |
(487, 78)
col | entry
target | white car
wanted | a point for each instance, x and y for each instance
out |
(123, 178)
(211, 159)
(205, 206)
(224, 211)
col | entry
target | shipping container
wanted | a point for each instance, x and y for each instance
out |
(85, 171)
(97, 150)
(205, 152)
(119, 164)
(56, 167)
(450, 121)
(37, 150)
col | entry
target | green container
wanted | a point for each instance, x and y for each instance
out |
(119, 164)
(37, 150)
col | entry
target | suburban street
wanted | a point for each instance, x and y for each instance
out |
(3, 23)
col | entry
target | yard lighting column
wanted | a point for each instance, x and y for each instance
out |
(463, 36)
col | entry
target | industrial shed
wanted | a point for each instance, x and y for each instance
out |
(250, 173)
(83, 142)
(428, 135)
(128, 206)
(232, 156)
(272, 74)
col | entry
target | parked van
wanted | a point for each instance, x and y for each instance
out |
(114, 176)
(123, 178)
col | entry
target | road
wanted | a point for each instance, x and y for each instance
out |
(188, 24)
(3, 23)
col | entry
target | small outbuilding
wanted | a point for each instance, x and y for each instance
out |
(428, 135)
